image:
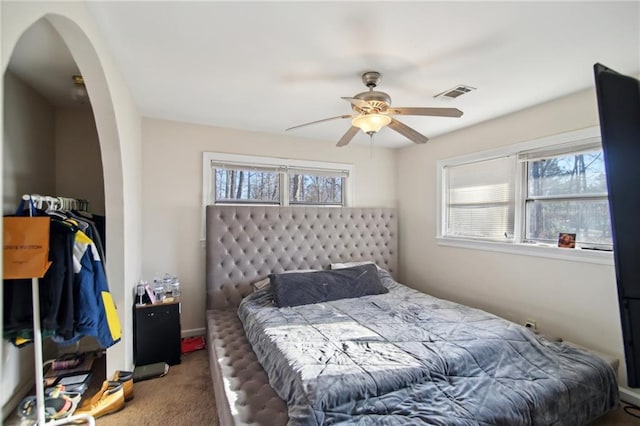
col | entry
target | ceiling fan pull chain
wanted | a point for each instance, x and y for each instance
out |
(371, 146)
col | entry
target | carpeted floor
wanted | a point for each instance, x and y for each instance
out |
(183, 397)
(618, 417)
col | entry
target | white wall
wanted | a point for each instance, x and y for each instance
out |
(28, 144)
(77, 157)
(28, 147)
(573, 300)
(118, 126)
(46, 150)
(172, 192)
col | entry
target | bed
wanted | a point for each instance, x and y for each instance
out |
(430, 380)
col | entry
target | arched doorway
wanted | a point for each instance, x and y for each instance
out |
(108, 126)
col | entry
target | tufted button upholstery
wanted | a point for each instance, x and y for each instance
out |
(246, 243)
(241, 387)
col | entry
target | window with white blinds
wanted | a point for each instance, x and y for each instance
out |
(248, 179)
(529, 194)
(243, 179)
(480, 199)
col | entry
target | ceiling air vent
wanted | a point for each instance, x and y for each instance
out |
(457, 91)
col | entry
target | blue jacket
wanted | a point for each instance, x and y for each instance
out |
(94, 311)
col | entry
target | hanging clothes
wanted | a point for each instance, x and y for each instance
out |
(97, 223)
(74, 295)
(95, 314)
(56, 291)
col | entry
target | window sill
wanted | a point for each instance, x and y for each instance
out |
(551, 252)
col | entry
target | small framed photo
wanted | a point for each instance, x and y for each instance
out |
(566, 240)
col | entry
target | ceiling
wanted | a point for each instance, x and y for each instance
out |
(43, 61)
(266, 66)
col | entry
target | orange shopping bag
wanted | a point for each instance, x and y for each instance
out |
(25, 252)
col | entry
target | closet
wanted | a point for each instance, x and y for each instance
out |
(50, 146)
(68, 301)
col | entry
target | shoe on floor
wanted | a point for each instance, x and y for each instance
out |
(61, 391)
(55, 408)
(126, 378)
(109, 399)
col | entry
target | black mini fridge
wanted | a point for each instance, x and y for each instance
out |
(157, 333)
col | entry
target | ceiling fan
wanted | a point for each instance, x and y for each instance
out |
(373, 112)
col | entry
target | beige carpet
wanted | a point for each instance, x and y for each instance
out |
(183, 397)
(618, 417)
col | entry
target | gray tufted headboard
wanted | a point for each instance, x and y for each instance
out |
(247, 243)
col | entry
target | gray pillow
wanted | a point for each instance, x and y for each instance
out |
(266, 282)
(324, 286)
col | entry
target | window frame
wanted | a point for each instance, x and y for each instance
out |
(283, 165)
(565, 197)
(568, 140)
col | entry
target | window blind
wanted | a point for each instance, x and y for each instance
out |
(480, 199)
(249, 167)
(573, 148)
(318, 172)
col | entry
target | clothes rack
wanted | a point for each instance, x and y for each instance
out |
(37, 331)
(57, 203)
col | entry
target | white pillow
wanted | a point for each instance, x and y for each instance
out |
(351, 264)
(265, 282)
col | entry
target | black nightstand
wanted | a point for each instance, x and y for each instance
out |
(156, 335)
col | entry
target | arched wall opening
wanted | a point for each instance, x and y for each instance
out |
(89, 62)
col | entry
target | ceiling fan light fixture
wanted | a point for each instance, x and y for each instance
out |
(373, 112)
(371, 123)
(78, 90)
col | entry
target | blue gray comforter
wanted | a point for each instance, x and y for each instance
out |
(409, 358)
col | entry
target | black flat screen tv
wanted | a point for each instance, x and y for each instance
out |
(619, 113)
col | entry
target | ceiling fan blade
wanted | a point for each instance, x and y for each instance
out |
(320, 121)
(436, 112)
(357, 102)
(407, 131)
(346, 138)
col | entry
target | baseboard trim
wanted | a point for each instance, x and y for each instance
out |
(193, 332)
(629, 395)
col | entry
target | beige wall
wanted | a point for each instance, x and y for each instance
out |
(48, 151)
(574, 300)
(77, 157)
(172, 192)
(28, 147)
(28, 143)
(118, 125)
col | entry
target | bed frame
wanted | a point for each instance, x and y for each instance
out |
(247, 243)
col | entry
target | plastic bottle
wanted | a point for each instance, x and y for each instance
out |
(158, 289)
(140, 291)
(166, 284)
(175, 287)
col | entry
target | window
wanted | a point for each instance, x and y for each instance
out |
(480, 199)
(244, 184)
(246, 179)
(568, 194)
(528, 194)
(321, 187)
